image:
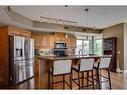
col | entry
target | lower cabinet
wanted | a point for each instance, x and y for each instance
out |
(36, 68)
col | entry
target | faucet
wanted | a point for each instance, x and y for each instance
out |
(80, 52)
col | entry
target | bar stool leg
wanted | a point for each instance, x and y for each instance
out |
(87, 79)
(79, 79)
(82, 79)
(48, 79)
(98, 78)
(63, 82)
(71, 81)
(109, 78)
(52, 81)
(92, 79)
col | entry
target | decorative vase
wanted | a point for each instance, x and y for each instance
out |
(118, 68)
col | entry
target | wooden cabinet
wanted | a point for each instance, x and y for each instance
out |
(47, 41)
(4, 61)
(110, 48)
(14, 31)
(59, 34)
(59, 37)
(51, 41)
(37, 40)
(36, 68)
(43, 41)
(71, 42)
(19, 32)
(4, 51)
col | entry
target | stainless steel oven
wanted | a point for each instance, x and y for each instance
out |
(60, 51)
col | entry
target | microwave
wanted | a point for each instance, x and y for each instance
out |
(60, 45)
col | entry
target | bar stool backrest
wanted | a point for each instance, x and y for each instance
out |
(104, 62)
(62, 67)
(86, 64)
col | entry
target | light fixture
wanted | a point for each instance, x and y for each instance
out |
(87, 18)
(86, 10)
(57, 21)
(94, 28)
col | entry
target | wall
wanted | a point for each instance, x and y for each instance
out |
(117, 31)
(125, 45)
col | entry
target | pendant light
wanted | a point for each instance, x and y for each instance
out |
(66, 36)
(87, 19)
(86, 10)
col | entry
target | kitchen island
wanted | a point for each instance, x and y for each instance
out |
(45, 62)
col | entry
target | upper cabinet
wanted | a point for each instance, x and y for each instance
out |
(71, 42)
(37, 40)
(43, 40)
(47, 41)
(19, 32)
(59, 37)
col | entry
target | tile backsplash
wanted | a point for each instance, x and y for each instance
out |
(44, 52)
(49, 52)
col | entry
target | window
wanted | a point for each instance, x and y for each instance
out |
(98, 46)
(83, 45)
(89, 44)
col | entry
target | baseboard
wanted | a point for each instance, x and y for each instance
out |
(124, 71)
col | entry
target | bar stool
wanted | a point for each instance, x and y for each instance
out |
(60, 68)
(103, 64)
(85, 66)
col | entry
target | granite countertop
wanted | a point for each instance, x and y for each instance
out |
(70, 57)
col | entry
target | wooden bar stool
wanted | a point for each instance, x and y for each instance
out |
(60, 68)
(103, 64)
(85, 66)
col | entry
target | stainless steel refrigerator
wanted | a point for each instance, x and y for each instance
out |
(21, 58)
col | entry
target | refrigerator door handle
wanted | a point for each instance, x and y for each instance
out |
(21, 52)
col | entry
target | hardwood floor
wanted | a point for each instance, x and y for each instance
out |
(119, 81)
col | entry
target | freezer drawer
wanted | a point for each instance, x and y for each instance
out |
(22, 73)
(29, 72)
(18, 75)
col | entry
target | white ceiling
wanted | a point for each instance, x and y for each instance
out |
(99, 16)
